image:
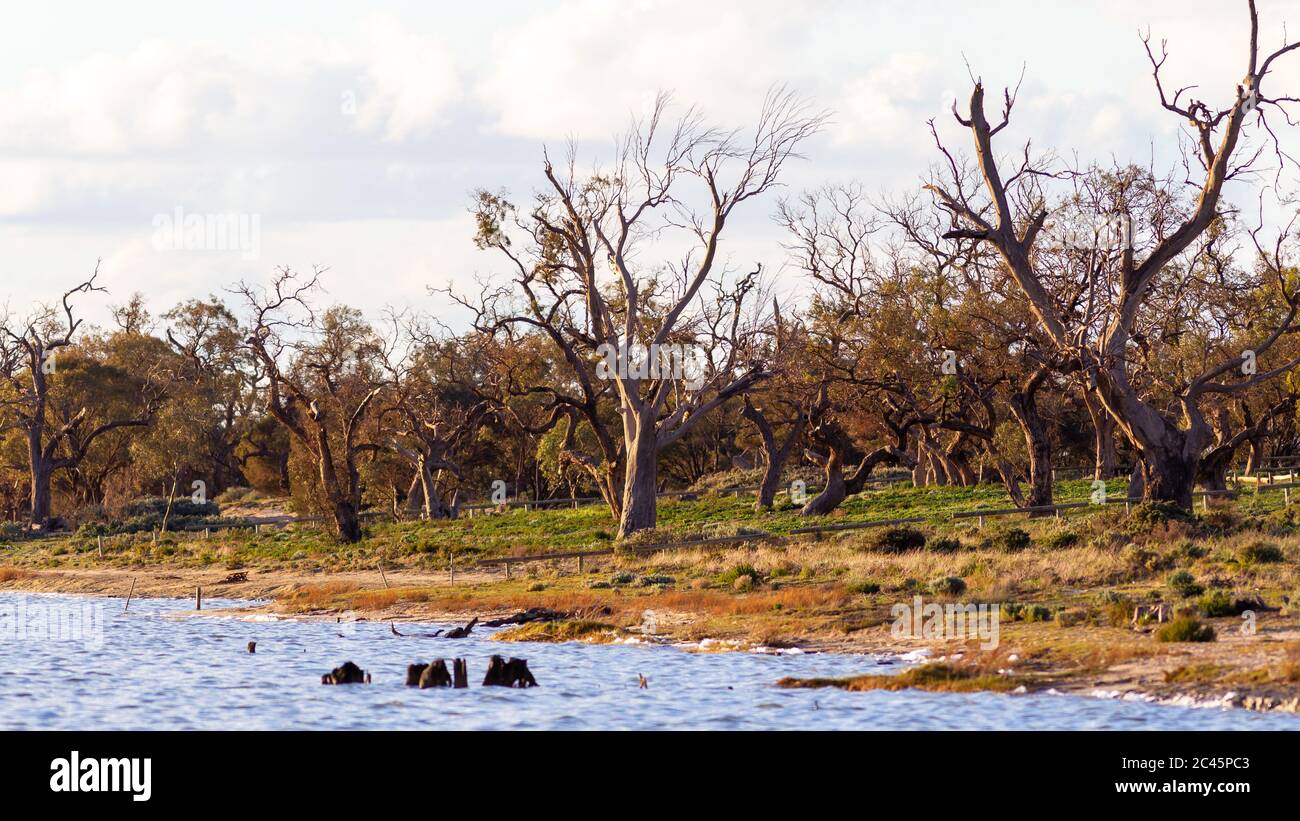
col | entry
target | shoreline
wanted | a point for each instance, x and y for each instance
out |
(1153, 678)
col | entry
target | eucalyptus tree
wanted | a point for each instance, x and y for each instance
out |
(321, 377)
(1090, 313)
(59, 428)
(620, 269)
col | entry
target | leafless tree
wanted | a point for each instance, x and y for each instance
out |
(1092, 314)
(591, 286)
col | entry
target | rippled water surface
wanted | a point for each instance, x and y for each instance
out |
(160, 668)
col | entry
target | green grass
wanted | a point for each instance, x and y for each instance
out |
(430, 545)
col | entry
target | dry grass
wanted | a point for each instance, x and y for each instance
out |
(592, 632)
(317, 596)
(10, 574)
(935, 677)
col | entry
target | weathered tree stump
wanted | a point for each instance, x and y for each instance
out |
(461, 632)
(460, 672)
(413, 673)
(347, 673)
(435, 675)
(513, 673)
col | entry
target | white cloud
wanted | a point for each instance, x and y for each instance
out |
(582, 68)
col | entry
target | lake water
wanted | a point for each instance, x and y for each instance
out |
(157, 667)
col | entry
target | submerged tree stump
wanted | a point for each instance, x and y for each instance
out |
(513, 673)
(461, 632)
(460, 674)
(346, 673)
(413, 673)
(435, 675)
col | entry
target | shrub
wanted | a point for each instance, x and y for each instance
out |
(898, 540)
(948, 586)
(1142, 560)
(738, 572)
(1012, 539)
(1011, 611)
(1035, 612)
(1148, 515)
(1259, 553)
(182, 506)
(1184, 584)
(1185, 629)
(1220, 521)
(652, 581)
(1062, 540)
(1216, 603)
(233, 495)
(1072, 617)
(863, 587)
(945, 544)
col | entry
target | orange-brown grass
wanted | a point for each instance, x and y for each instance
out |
(320, 595)
(9, 574)
(725, 604)
(381, 599)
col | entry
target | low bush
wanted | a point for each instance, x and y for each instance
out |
(1184, 584)
(945, 544)
(1185, 629)
(898, 540)
(1259, 553)
(948, 586)
(1012, 539)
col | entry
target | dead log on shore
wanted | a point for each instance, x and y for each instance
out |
(461, 632)
(460, 673)
(528, 616)
(346, 673)
(435, 675)
(513, 673)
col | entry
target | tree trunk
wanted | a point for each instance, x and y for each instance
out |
(171, 499)
(774, 454)
(41, 472)
(1024, 407)
(1137, 479)
(640, 483)
(347, 522)
(1171, 479)
(1105, 460)
(835, 491)
(1254, 456)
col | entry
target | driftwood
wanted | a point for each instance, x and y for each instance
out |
(461, 632)
(513, 673)
(460, 674)
(347, 673)
(532, 614)
(235, 578)
(1159, 612)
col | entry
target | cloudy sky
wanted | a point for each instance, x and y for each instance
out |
(355, 132)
